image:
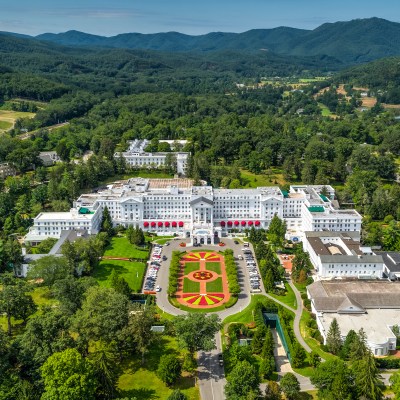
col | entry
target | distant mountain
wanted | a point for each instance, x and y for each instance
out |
(351, 42)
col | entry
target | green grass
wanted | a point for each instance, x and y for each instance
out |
(141, 381)
(132, 272)
(42, 296)
(190, 286)
(245, 316)
(324, 110)
(143, 173)
(190, 267)
(120, 247)
(313, 343)
(215, 286)
(163, 240)
(289, 298)
(254, 180)
(214, 267)
(4, 125)
(301, 287)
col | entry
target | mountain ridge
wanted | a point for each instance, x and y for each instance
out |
(352, 42)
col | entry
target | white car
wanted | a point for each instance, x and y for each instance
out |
(158, 288)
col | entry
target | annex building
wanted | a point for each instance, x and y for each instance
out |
(136, 156)
(371, 305)
(340, 254)
(175, 206)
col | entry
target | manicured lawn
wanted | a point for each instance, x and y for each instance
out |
(132, 272)
(214, 286)
(141, 382)
(120, 247)
(289, 298)
(163, 240)
(190, 267)
(245, 316)
(190, 286)
(214, 266)
(313, 343)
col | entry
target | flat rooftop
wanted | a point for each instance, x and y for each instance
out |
(64, 216)
(181, 183)
(375, 323)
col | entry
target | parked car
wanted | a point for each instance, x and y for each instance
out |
(220, 360)
(158, 288)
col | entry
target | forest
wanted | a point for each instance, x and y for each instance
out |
(242, 129)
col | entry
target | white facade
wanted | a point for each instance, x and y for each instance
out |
(371, 305)
(175, 206)
(335, 254)
(52, 224)
(135, 156)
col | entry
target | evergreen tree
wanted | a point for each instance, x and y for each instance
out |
(367, 379)
(333, 338)
(106, 223)
(290, 386)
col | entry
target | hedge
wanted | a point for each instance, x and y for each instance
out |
(388, 363)
(231, 272)
(174, 270)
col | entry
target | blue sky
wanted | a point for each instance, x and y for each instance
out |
(187, 16)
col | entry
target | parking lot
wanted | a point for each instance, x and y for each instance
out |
(154, 266)
(252, 270)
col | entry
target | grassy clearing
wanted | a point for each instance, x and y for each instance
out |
(141, 381)
(190, 267)
(5, 125)
(215, 286)
(120, 247)
(324, 110)
(8, 118)
(288, 298)
(214, 267)
(250, 180)
(132, 272)
(190, 286)
(143, 173)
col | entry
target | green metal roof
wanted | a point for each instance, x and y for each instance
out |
(84, 210)
(285, 193)
(316, 209)
(324, 198)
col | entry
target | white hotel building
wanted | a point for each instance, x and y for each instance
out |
(136, 156)
(175, 206)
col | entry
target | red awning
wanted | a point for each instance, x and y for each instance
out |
(236, 223)
(167, 224)
(257, 223)
(180, 223)
(243, 223)
(145, 224)
(160, 224)
(222, 223)
(174, 224)
(229, 223)
(153, 224)
(250, 223)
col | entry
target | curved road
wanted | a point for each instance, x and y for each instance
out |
(211, 378)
